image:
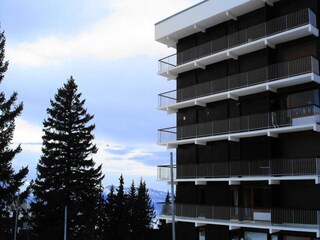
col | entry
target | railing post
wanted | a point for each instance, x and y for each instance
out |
(196, 211)
(270, 167)
(212, 174)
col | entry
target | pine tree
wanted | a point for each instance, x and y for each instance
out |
(10, 181)
(66, 173)
(145, 212)
(164, 228)
(111, 216)
(121, 209)
(132, 213)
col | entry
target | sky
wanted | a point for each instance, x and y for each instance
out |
(108, 47)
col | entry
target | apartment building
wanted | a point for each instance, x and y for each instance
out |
(247, 134)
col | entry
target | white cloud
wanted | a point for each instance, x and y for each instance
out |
(127, 31)
(28, 135)
(126, 160)
(116, 158)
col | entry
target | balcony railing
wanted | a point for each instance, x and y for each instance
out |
(275, 26)
(227, 215)
(262, 75)
(284, 118)
(164, 173)
(261, 168)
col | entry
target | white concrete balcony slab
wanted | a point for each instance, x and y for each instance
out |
(280, 30)
(266, 124)
(272, 219)
(269, 78)
(201, 16)
(269, 170)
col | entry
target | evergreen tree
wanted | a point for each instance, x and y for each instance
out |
(167, 204)
(164, 228)
(10, 181)
(66, 173)
(121, 209)
(132, 207)
(145, 212)
(111, 215)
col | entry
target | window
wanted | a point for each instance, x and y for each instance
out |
(274, 237)
(202, 235)
(303, 99)
(296, 238)
(255, 236)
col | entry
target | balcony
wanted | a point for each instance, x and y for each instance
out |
(164, 173)
(271, 170)
(272, 77)
(271, 33)
(203, 15)
(266, 124)
(236, 217)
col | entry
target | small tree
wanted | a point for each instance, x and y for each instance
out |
(67, 176)
(145, 211)
(132, 213)
(164, 228)
(122, 228)
(111, 216)
(10, 181)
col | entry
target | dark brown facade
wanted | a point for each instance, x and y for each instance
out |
(231, 159)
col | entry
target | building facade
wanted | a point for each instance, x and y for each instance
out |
(247, 134)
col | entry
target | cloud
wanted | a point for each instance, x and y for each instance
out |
(127, 31)
(28, 135)
(133, 160)
(128, 160)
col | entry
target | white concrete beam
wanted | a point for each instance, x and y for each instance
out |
(232, 55)
(271, 88)
(200, 183)
(171, 42)
(171, 76)
(270, 3)
(271, 231)
(199, 65)
(272, 134)
(269, 44)
(199, 224)
(232, 96)
(199, 28)
(233, 228)
(231, 15)
(233, 182)
(233, 139)
(316, 128)
(199, 142)
(199, 103)
(273, 182)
